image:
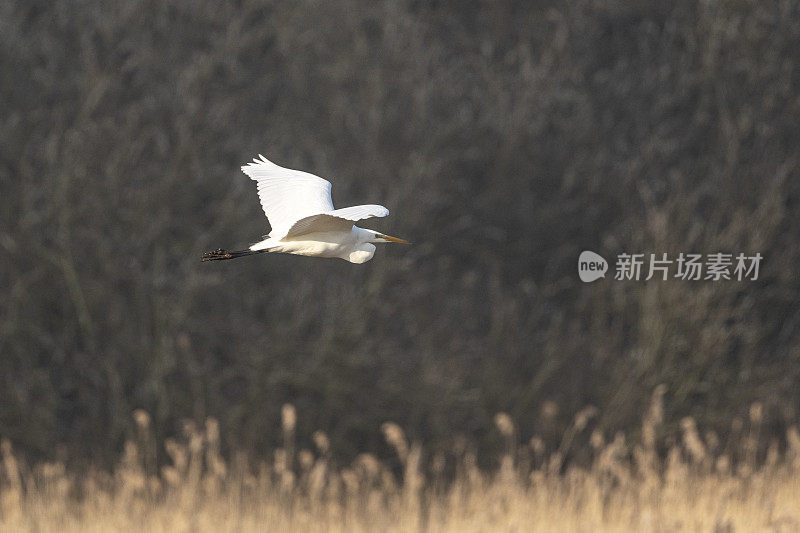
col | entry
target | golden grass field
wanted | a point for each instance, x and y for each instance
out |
(693, 487)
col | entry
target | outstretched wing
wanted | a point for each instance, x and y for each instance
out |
(336, 220)
(288, 195)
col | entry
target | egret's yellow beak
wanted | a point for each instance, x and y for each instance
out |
(389, 238)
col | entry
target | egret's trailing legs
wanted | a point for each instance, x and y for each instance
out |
(220, 254)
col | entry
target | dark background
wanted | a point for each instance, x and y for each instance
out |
(505, 138)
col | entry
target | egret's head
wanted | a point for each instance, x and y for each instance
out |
(380, 237)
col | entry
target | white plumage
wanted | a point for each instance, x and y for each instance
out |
(299, 208)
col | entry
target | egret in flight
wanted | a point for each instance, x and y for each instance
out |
(299, 208)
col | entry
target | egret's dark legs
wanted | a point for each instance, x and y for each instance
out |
(220, 254)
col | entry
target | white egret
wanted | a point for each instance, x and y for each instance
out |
(299, 208)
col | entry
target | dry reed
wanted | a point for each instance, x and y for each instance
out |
(695, 485)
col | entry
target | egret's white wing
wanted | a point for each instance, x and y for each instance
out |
(337, 220)
(360, 212)
(288, 195)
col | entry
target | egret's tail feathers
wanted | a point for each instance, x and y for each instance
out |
(219, 255)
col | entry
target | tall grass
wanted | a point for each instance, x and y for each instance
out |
(505, 137)
(694, 484)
